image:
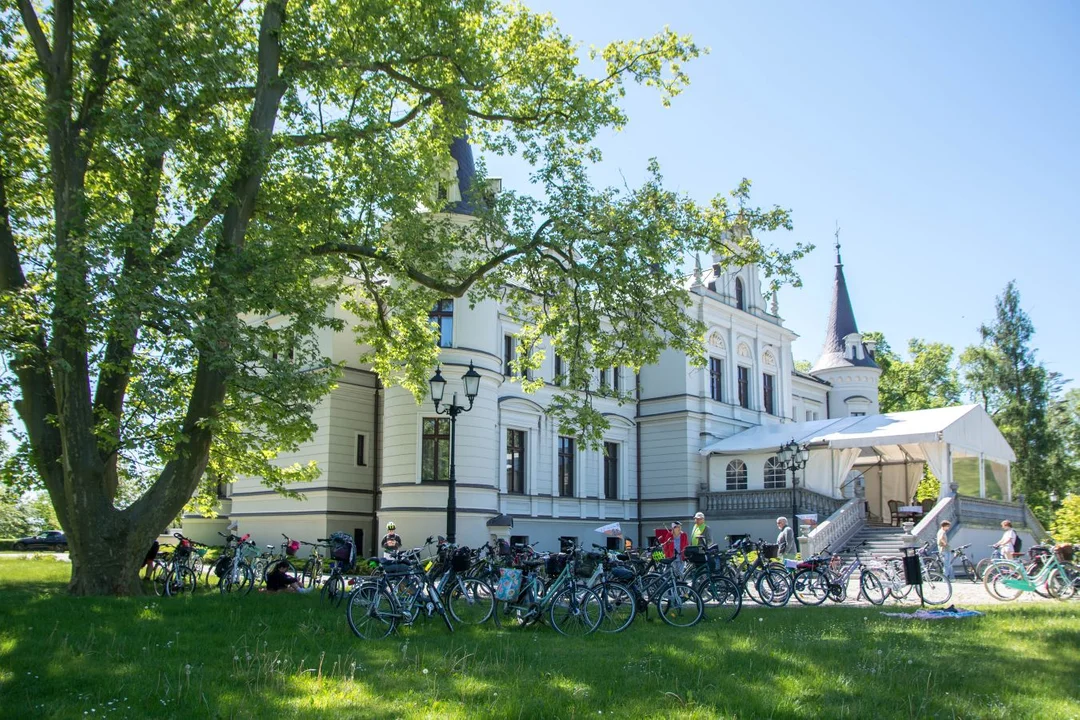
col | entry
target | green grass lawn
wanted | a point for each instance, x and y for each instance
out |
(286, 656)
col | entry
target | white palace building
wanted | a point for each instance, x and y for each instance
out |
(693, 439)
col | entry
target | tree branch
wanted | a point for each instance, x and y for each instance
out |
(352, 133)
(37, 36)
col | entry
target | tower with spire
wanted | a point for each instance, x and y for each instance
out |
(847, 361)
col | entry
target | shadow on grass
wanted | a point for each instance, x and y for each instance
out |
(286, 655)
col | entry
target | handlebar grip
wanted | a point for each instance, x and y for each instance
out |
(323, 539)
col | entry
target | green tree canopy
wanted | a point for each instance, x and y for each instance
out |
(1004, 375)
(927, 380)
(171, 171)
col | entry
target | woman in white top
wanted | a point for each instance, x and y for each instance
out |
(943, 548)
(1007, 543)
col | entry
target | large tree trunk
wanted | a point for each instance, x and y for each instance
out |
(107, 558)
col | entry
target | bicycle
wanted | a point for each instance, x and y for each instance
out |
(819, 580)
(934, 588)
(572, 608)
(342, 555)
(399, 594)
(268, 559)
(1007, 579)
(705, 574)
(175, 576)
(236, 575)
(313, 566)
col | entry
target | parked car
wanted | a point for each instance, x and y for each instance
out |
(48, 540)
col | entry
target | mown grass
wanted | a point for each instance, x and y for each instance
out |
(286, 656)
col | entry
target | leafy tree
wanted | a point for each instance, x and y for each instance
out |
(928, 380)
(1066, 525)
(15, 520)
(173, 173)
(1003, 374)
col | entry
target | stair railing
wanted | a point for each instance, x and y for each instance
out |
(838, 528)
(926, 530)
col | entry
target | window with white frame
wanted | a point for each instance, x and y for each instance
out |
(736, 475)
(775, 475)
(515, 462)
(611, 470)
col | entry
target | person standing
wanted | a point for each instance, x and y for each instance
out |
(700, 533)
(943, 548)
(1010, 541)
(786, 539)
(391, 541)
(676, 544)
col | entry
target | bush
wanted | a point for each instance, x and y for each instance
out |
(1066, 526)
(7, 543)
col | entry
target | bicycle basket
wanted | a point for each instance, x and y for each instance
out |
(342, 547)
(201, 552)
(292, 547)
(555, 564)
(770, 551)
(1065, 552)
(695, 554)
(586, 566)
(658, 555)
(461, 559)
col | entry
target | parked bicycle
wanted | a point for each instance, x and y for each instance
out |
(398, 594)
(571, 607)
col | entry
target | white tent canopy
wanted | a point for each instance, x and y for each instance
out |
(931, 436)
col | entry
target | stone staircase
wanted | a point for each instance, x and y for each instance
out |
(884, 540)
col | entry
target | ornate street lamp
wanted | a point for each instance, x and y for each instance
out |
(471, 379)
(794, 457)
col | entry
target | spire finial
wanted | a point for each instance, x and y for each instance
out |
(697, 270)
(837, 234)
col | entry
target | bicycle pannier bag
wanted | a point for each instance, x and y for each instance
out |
(509, 584)
(694, 554)
(461, 559)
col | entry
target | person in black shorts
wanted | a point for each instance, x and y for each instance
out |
(148, 563)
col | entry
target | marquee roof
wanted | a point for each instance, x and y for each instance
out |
(964, 426)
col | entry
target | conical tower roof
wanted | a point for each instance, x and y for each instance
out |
(841, 324)
(461, 151)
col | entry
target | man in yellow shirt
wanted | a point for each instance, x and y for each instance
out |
(700, 534)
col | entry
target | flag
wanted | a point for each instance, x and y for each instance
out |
(611, 530)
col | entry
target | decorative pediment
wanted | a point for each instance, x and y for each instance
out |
(768, 359)
(744, 351)
(716, 341)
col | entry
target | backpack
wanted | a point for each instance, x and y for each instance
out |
(1017, 544)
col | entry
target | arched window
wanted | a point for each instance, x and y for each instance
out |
(736, 475)
(775, 475)
(740, 299)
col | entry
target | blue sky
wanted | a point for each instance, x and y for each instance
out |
(943, 137)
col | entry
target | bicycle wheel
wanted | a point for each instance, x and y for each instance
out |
(981, 568)
(576, 611)
(969, 570)
(241, 582)
(774, 587)
(680, 606)
(749, 586)
(871, 587)
(936, 589)
(996, 580)
(470, 601)
(810, 587)
(311, 573)
(721, 593)
(157, 576)
(180, 580)
(1059, 585)
(333, 590)
(618, 605)
(371, 612)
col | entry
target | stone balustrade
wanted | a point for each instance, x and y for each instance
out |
(834, 532)
(765, 503)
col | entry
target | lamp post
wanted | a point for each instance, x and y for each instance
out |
(794, 457)
(471, 379)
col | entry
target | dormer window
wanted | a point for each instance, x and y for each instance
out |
(853, 347)
(740, 299)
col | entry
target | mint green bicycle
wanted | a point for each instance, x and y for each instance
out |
(572, 608)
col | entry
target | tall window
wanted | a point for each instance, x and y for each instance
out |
(515, 461)
(736, 475)
(740, 300)
(435, 450)
(508, 354)
(443, 316)
(603, 378)
(559, 369)
(611, 470)
(616, 378)
(775, 475)
(769, 395)
(360, 458)
(744, 386)
(566, 466)
(716, 378)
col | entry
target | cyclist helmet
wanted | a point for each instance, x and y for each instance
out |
(390, 525)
